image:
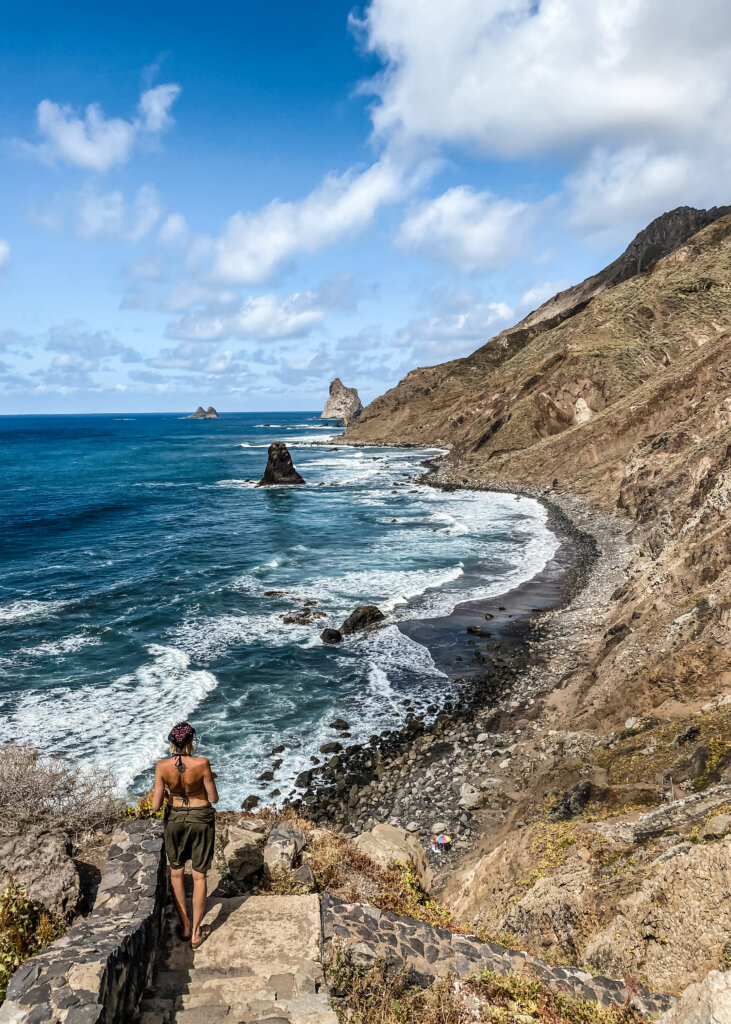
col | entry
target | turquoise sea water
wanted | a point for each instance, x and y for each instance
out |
(137, 568)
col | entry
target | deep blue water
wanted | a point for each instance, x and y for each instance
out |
(136, 571)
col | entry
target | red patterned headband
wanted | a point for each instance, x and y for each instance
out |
(181, 734)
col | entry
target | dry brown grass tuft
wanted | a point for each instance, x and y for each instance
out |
(50, 793)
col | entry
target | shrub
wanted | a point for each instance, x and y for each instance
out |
(143, 808)
(376, 995)
(51, 793)
(26, 928)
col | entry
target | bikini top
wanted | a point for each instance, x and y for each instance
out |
(186, 794)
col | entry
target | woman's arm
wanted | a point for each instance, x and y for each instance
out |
(158, 793)
(209, 781)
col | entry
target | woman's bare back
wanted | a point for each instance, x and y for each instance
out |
(196, 783)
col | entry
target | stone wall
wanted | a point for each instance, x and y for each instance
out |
(97, 972)
(367, 935)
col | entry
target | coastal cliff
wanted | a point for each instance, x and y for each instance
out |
(611, 402)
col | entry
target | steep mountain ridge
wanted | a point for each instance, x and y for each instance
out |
(628, 404)
(614, 397)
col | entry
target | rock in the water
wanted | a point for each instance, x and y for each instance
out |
(364, 616)
(250, 802)
(340, 725)
(388, 845)
(343, 403)
(279, 469)
(331, 636)
(204, 414)
(42, 862)
(242, 854)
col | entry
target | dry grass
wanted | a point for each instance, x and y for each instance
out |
(376, 995)
(341, 869)
(50, 793)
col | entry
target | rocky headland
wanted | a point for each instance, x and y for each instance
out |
(612, 404)
(343, 404)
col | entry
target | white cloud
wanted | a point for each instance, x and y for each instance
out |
(4, 253)
(108, 216)
(518, 77)
(261, 317)
(252, 245)
(93, 141)
(103, 216)
(174, 230)
(460, 321)
(613, 194)
(541, 292)
(471, 231)
(636, 93)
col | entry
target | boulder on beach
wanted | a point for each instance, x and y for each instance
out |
(204, 414)
(388, 846)
(364, 616)
(279, 468)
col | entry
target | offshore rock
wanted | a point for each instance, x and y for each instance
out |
(204, 414)
(331, 636)
(279, 468)
(343, 403)
(364, 616)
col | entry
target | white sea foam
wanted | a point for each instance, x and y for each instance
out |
(26, 608)
(122, 724)
(57, 648)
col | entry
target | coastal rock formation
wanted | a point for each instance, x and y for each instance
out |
(388, 846)
(42, 862)
(279, 467)
(331, 636)
(705, 1002)
(343, 403)
(204, 414)
(364, 616)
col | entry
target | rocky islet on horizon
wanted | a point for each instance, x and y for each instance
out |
(203, 414)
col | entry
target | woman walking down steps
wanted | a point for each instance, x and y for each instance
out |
(189, 786)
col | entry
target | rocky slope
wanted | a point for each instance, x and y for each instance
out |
(615, 394)
(342, 404)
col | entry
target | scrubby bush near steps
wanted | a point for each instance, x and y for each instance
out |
(26, 928)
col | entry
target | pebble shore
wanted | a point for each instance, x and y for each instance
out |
(452, 771)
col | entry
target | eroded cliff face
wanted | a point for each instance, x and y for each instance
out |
(618, 391)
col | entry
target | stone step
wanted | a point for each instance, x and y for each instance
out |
(202, 1014)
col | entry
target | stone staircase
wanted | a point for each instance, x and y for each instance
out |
(260, 965)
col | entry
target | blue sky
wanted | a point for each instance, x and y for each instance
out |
(232, 203)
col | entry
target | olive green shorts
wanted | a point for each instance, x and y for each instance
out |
(189, 835)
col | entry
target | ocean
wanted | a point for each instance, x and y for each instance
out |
(144, 580)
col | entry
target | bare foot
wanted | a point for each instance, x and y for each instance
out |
(184, 931)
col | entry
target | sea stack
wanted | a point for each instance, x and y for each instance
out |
(343, 403)
(204, 414)
(280, 469)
